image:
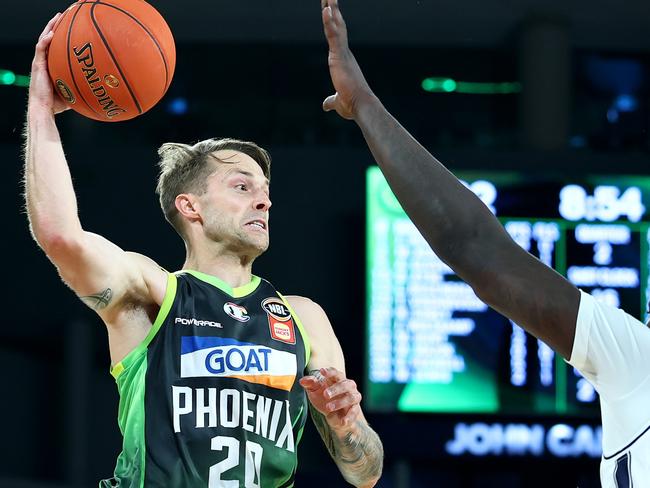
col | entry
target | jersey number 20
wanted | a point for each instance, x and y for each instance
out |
(252, 463)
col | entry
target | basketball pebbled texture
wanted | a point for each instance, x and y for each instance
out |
(111, 60)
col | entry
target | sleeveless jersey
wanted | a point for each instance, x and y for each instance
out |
(611, 350)
(211, 397)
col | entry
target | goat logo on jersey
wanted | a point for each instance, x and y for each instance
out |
(237, 312)
(280, 322)
(229, 358)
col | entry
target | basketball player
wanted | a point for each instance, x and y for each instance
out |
(210, 361)
(608, 346)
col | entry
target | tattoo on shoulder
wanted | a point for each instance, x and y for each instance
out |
(99, 300)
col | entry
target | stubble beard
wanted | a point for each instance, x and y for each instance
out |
(235, 239)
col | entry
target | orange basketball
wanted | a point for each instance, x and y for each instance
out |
(111, 60)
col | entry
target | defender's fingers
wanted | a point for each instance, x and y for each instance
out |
(334, 4)
(336, 12)
(335, 32)
(328, 22)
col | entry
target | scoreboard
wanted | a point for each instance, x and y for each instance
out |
(433, 346)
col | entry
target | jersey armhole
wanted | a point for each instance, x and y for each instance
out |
(584, 322)
(165, 307)
(301, 328)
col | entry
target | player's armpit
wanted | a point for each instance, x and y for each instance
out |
(104, 276)
(98, 301)
(611, 351)
(525, 290)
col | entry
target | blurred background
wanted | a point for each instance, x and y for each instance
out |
(525, 87)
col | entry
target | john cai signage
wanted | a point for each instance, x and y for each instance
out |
(560, 440)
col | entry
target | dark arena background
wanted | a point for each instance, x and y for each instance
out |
(542, 107)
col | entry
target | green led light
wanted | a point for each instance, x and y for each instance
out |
(21, 80)
(428, 84)
(439, 85)
(7, 77)
(448, 85)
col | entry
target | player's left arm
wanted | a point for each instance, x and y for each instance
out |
(335, 401)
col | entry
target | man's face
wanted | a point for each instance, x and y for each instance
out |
(236, 204)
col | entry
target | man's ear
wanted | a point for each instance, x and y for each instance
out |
(189, 207)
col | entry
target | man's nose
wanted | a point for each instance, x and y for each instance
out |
(262, 202)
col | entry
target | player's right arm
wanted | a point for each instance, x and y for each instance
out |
(104, 276)
(460, 229)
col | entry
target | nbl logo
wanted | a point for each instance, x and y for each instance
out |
(276, 309)
(280, 321)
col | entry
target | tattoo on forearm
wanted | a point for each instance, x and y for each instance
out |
(323, 430)
(359, 454)
(99, 300)
(353, 446)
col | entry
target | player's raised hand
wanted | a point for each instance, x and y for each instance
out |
(333, 395)
(41, 92)
(348, 80)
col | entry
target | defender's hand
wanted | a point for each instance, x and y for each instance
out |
(333, 395)
(41, 92)
(347, 78)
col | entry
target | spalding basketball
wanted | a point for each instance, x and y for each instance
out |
(111, 60)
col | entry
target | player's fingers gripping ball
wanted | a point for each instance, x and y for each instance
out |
(111, 60)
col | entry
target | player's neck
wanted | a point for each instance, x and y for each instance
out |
(232, 268)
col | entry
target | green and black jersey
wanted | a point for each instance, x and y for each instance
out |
(211, 397)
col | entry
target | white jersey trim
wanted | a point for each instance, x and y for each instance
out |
(583, 332)
(623, 449)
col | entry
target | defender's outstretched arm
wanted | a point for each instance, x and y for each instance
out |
(457, 225)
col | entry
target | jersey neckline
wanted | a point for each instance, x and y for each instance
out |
(237, 292)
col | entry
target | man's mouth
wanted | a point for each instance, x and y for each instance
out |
(257, 224)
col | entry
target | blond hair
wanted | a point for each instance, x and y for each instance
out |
(185, 169)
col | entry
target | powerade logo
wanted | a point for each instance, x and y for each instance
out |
(559, 440)
(197, 323)
(229, 358)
